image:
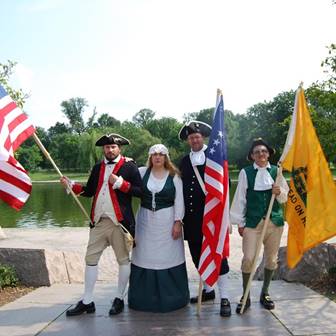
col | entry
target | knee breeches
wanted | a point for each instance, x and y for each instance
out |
(106, 233)
(271, 244)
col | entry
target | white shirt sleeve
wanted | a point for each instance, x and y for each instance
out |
(238, 207)
(284, 189)
(179, 201)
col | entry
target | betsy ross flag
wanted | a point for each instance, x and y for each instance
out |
(311, 205)
(15, 127)
(215, 245)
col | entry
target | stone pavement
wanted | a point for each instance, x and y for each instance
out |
(299, 310)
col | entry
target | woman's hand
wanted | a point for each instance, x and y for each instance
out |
(177, 229)
(241, 231)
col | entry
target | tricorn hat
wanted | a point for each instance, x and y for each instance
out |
(194, 126)
(111, 139)
(259, 142)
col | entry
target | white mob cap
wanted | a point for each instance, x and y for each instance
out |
(158, 149)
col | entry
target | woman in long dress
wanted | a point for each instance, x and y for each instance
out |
(158, 281)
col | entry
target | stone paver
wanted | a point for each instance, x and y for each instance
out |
(299, 310)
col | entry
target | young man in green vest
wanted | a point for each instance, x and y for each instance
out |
(256, 184)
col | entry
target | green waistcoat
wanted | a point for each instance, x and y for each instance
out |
(163, 199)
(258, 201)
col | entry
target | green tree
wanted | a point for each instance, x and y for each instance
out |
(205, 115)
(88, 152)
(30, 143)
(329, 68)
(73, 109)
(29, 157)
(166, 129)
(6, 70)
(105, 120)
(140, 139)
(64, 150)
(143, 117)
(267, 120)
(322, 104)
(232, 125)
(58, 128)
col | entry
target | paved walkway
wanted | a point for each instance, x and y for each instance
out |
(299, 310)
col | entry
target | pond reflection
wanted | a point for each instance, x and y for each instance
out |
(50, 206)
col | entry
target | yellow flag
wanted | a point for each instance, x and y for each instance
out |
(311, 205)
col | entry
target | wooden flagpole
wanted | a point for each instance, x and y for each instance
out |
(202, 185)
(47, 155)
(199, 301)
(261, 239)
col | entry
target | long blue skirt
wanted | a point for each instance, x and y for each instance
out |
(158, 291)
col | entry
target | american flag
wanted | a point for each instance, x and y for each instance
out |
(15, 127)
(215, 245)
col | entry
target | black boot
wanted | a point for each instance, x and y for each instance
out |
(266, 301)
(205, 296)
(240, 305)
(225, 308)
(81, 308)
(117, 306)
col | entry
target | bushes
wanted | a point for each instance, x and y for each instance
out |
(7, 276)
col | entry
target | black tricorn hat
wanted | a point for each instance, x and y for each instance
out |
(194, 126)
(259, 142)
(111, 139)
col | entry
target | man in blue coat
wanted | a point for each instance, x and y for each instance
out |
(192, 169)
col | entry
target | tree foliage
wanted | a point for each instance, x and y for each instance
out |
(143, 118)
(29, 157)
(6, 70)
(329, 68)
(105, 121)
(74, 109)
(72, 144)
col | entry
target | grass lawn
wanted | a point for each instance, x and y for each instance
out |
(53, 176)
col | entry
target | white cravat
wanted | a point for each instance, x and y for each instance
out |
(263, 180)
(198, 158)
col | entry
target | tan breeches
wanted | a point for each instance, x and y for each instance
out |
(271, 245)
(106, 233)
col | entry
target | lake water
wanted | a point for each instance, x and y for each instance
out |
(50, 206)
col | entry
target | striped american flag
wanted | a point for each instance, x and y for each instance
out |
(15, 127)
(215, 245)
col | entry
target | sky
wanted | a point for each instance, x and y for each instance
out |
(166, 55)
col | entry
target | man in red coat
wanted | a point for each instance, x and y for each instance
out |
(112, 183)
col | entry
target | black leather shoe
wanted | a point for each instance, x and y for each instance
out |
(240, 305)
(117, 306)
(81, 308)
(266, 301)
(225, 308)
(205, 296)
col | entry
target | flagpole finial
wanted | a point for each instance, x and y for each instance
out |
(219, 92)
(301, 85)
